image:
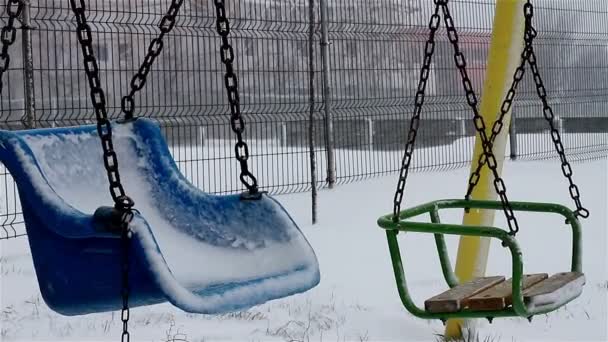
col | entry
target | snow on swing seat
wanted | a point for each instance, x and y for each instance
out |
(203, 253)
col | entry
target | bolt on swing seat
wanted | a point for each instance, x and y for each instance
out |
(201, 252)
(488, 297)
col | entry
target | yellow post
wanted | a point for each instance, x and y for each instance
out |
(503, 58)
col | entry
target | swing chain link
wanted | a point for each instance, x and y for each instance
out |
(237, 123)
(125, 238)
(8, 35)
(104, 127)
(499, 124)
(154, 49)
(429, 50)
(548, 111)
(123, 203)
(480, 126)
(529, 56)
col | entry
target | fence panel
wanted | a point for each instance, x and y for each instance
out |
(375, 53)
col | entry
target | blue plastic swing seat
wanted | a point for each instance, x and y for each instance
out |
(203, 253)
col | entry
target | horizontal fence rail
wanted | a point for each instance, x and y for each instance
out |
(363, 90)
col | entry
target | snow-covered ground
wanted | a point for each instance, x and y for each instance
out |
(357, 299)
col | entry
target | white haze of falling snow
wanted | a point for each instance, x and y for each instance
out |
(357, 299)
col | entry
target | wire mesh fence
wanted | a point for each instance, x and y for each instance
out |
(364, 89)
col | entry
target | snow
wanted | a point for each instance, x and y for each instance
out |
(558, 298)
(183, 292)
(357, 298)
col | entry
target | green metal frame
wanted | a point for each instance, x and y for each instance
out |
(518, 308)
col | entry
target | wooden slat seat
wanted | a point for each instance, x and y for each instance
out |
(500, 296)
(454, 300)
(494, 293)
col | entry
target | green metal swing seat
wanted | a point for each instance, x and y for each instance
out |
(521, 296)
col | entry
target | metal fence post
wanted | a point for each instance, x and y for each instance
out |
(370, 133)
(513, 138)
(463, 127)
(311, 119)
(560, 124)
(329, 121)
(28, 67)
(283, 134)
(202, 135)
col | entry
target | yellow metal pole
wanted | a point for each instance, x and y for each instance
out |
(503, 58)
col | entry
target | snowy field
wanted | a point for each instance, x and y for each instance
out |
(357, 299)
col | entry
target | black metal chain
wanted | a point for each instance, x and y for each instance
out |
(125, 237)
(529, 56)
(8, 35)
(548, 111)
(237, 123)
(123, 203)
(499, 123)
(480, 126)
(154, 49)
(429, 50)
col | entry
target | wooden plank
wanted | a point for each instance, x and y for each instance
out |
(500, 296)
(452, 300)
(556, 290)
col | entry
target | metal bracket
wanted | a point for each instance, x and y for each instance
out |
(248, 196)
(108, 219)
